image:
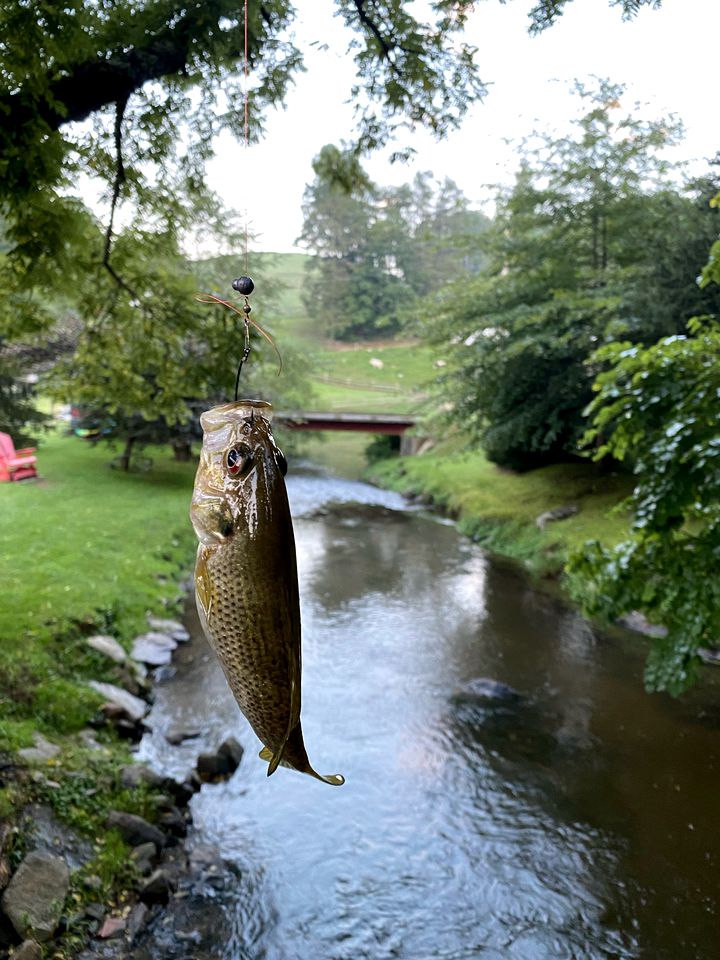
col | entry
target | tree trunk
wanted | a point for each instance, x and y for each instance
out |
(182, 451)
(126, 454)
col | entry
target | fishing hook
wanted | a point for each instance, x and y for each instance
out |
(244, 312)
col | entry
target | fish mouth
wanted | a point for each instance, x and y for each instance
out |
(232, 412)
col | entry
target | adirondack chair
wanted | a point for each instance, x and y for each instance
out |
(15, 464)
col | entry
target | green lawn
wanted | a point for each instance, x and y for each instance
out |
(345, 379)
(85, 547)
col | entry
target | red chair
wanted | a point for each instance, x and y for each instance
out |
(15, 464)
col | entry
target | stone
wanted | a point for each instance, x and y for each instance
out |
(28, 950)
(96, 911)
(709, 655)
(204, 855)
(41, 752)
(558, 513)
(88, 739)
(135, 775)
(640, 624)
(44, 831)
(154, 648)
(178, 735)
(137, 920)
(133, 706)
(211, 766)
(134, 829)
(108, 646)
(173, 628)
(221, 764)
(34, 898)
(157, 888)
(144, 851)
(5, 872)
(233, 750)
(130, 730)
(183, 792)
(172, 819)
(112, 927)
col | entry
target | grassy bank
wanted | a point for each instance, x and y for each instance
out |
(498, 508)
(86, 549)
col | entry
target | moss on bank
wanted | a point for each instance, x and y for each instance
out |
(499, 508)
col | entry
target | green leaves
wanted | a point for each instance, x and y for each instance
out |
(656, 410)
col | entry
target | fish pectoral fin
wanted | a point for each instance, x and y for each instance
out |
(203, 583)
(272, 758)
(293, 720)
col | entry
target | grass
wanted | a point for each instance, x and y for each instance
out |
(498, 508)
(85, 549)
(397, 381)
(343, 377)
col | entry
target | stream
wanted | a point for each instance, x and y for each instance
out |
(561, 813)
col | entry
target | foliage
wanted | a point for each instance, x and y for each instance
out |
(145, 366)
(570, 239)
(656, 408)
(19, 415)
(377, 250)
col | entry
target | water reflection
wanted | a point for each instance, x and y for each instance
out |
(555, 823)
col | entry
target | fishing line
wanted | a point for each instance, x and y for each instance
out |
(244, 285)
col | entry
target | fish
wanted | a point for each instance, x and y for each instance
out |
(246, 583)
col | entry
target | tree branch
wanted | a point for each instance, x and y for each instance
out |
(118, 182)
(95, 83)
(368, 22)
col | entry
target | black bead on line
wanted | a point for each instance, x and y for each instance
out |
(244, 286)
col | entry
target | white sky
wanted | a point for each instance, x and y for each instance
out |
(668, 58)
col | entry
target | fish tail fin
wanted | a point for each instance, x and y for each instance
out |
(334, 779)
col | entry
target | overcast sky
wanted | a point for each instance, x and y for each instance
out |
(667, 58)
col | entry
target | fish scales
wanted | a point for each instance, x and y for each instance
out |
(246, 576)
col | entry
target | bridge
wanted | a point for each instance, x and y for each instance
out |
(394, 424)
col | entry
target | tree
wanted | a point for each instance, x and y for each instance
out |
(568, 241)
(19, 415)
(142, 372)
(378, 249)
(439, 235)
(354, 285)
(656, 408)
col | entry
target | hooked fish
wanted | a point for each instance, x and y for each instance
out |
(246, 582)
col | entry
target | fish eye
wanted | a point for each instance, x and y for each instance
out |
(236, 459)
(280, 460)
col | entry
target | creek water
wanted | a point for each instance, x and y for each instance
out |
(576, 817)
